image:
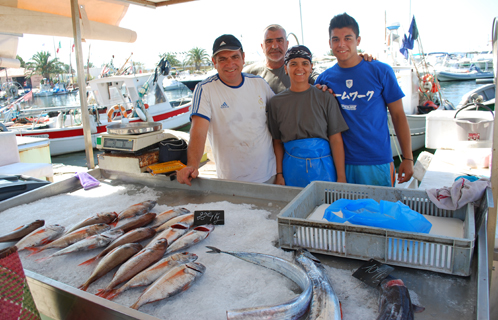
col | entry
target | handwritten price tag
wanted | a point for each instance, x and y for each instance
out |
(209, 217)
(373, 272)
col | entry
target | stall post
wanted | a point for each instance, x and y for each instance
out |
(494, 163)
(75, 15)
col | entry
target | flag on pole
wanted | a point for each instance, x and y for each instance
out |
(72, 49)
(409, 42)
(413, 31)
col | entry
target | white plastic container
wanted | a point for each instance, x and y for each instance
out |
(472, 128)
(443, 132)
(408, 81)
(444, 254)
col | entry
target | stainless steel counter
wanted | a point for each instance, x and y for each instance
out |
(443, 296)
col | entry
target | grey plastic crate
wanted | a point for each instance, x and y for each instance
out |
(407, 249)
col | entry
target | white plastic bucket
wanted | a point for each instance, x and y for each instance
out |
(474, 128)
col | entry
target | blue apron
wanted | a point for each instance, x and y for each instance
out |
(307, 160)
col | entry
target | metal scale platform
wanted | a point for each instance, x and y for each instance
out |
(131, 147)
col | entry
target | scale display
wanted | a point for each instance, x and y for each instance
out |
(121, 144)
(131, 142)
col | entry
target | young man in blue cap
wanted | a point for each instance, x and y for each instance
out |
(230, 109)
(365, 92)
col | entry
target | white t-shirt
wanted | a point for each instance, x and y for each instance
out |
(238, 133)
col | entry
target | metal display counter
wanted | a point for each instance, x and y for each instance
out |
(444, 296)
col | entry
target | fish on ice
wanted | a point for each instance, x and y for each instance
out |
(104, 217)
(113, 259)
(154, 272)
(168, 215)
(172, 233)
(292, 309)
(73, 237)
(135, 264)
(175, 281)
(40, 236)
(136, 222)
(89, 243)
(191, 238)
(324, 301)
(187, 219)
(136, 235)
(136, 210)
(395, 302)
(22, 231)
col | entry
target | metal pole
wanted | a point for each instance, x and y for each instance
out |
(301, 15)
(295, 37)
(494, 163)
(75, 15)
(483, 279)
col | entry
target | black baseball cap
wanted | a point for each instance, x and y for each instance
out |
(226, 42)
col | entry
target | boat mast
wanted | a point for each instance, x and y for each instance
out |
(71, 66)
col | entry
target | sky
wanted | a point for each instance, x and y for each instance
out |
(444, 25)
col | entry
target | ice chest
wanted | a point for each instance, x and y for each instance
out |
(406, 249)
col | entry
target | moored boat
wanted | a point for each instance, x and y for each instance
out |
(484, 94)
(127, 98)
(463, 74)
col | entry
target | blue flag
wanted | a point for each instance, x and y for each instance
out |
(409, 42)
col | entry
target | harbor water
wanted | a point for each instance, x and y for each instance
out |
(452, 91)
(72, 99)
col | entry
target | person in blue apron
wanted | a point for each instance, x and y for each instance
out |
(306, 125)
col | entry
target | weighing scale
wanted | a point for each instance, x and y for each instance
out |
(132, 137)
(131, 147)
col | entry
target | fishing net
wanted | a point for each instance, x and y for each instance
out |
(16, 301)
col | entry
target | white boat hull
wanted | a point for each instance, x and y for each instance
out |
(462, 76)
(417, 130)
(71, 139)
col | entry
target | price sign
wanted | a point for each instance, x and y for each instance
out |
(373, 272)
(209, 217)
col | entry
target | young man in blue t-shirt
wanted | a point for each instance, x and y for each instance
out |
(364, 90)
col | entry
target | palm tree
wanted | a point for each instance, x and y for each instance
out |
(23, 64)
(44, 65)
(171, 58)
(67, 68)
(196, 56)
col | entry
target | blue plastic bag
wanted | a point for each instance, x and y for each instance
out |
(389, 215)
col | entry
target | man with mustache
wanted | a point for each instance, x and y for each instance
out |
(272, 70)
(230, 109)
(275, 46)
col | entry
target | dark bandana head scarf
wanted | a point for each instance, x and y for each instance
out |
(297, 52)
